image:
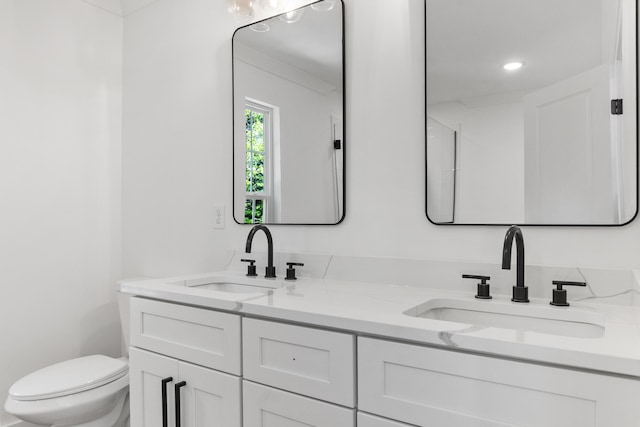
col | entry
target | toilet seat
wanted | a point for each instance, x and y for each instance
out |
(68, 377)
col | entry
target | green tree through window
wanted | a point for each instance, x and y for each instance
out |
(255, 166)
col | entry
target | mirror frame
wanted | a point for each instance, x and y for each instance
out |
(339, 3)
(504, 224)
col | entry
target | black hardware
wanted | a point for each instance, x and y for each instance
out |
(270, 270)
(616, 106)
(178, 386)
(520, 291)
(560, 295)
(251, 268)
(337, 144)
(291, 272)
(483, 286)
(165, 421)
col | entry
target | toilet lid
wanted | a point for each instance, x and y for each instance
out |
(69, 377)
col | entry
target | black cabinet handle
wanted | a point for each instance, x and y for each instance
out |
(178, 386)
(164, 401)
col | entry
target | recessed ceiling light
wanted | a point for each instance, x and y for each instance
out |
(512, 66)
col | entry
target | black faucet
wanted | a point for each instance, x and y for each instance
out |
(520, 291)
(270, 270)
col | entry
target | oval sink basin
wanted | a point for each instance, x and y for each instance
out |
(565, 321)
(236, 288)
(226, 284)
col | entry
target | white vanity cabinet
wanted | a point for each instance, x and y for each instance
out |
(431, 387)
(235, 371)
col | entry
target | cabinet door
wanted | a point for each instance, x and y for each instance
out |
(146, 374)
(367, 420)
(268, 407)
(432, 387)
(209, 398)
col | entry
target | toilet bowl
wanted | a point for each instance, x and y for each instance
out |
(90, 391)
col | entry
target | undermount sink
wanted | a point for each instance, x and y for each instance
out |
(569, 322)
(223, 284)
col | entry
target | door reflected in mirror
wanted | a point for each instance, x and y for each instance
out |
(531, 112)
(288, 101)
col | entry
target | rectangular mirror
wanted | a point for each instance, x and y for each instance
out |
(531, 112)
(288, 126)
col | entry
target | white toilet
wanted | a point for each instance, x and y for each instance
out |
(90, 391)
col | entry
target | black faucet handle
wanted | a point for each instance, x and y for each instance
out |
(291, 272)
(560, 295)
(251, 268)
(483, 286)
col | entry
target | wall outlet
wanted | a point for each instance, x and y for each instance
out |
(218, 217)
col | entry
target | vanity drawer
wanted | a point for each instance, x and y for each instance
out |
(367, 420)
(267, 407)
(432, 387)
(308, 361)
(204, 337)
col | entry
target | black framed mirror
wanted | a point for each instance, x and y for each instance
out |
(531, 112)
(288, 126)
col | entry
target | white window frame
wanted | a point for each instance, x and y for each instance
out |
(267, 194)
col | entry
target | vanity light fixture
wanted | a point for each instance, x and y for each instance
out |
(292, 16)
(259, 27)
(242, 9)
(272, 5)
(512, 66)
(323, 6)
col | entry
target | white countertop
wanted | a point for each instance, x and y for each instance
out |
(377, 309)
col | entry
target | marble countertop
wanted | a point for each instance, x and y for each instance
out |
(379, 310)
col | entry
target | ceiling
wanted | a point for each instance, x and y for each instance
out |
(121, 7)
(468, 42)
(312, 44)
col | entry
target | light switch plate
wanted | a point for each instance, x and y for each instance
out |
(218, 217)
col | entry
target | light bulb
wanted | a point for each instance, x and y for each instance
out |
(259, 27)
(323, 6)
(271, 5)
(240, 8)
(292, 16)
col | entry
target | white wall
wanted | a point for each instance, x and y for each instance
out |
(60, 132)
(177, 151)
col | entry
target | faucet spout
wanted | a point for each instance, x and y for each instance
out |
(270, 270)
(520, 291)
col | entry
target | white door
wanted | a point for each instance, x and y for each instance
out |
(209, 398)
(147, 372)
(568, 151)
